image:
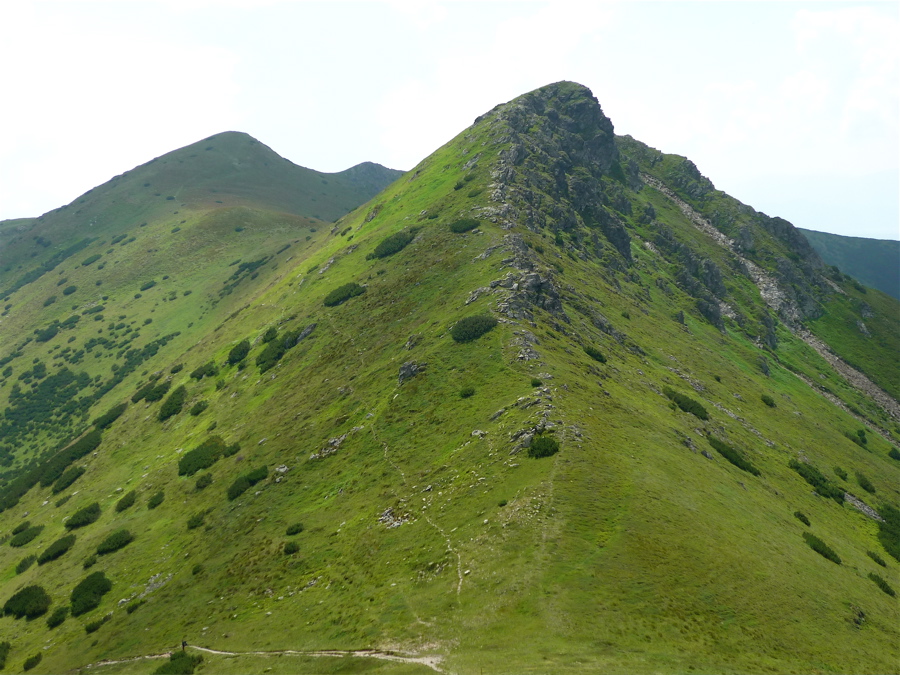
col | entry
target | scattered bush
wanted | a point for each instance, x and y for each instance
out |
(21, 527)
(156, 500)
(270, 334)
(464, 225)
(821, 484)
(196, 520)
(58, 616)
(543, 446)
(25, 536)
(56, 549)
(32, 661)
(93, 626)
(882, 584)
(197, 569)
(126, 501)
(239, 352)
(865, 483)
(148, 285)
(89, 562)
(89, 514)
(840, 473)
(342, 294)
(115, 541)
(893, 453)
(393, 244)
(198, 408)
(157, 391)
(204, 481)
(472, 327)
(877, 558)
(535, 382)
(595, 354)
(889, 530)
(68, 290)
(49, 301)
(68, 477)
(110, 416)
(173, 405)
(25, 563)
(206, 370)
(89, 592)
(467, 392)
(686, 403)
(177, 368)
(296, 528)
(30, 602)
(179, 663)
(245, 482)
(768, 400)
(821, 548)
(202, 457)
(291, 547)
(732, 455)
(801, 517)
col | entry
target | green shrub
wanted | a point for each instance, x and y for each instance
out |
(115, 541)
(206, 370)
(291, 547)
(26, 536)
(877, 558)
(32, 661)
(62, 500)
(198, 408)
(865, 483)
(173, 404)
(89, 592)
(595, 354)
(4, 652)
(821, 484)
(21, 527)
(467, 392)
(89, 562)
(342, 294)
(142, 391)
(882, 584)
(204, 481)
(126, 502)
(56, 549)
(768, 400)
(93, 626)
(472, 327)
(239, 352)
(68, 290)
(68, 477)
(157, 391)
(270, 334)
(177, 368)
(535, 382)
(840, 473)
(464, 225)
(202, 457)
(156, 500)
(197, 569)
(25, 563)
(893, 453)
(132, 606)
(245, 482)
(110, 416)
(801, 517)
(732, 455)
(89, 514)
(58, 616)
(686, 403)
(296, 528)
(543, 446)
(393, 244)
(49, 301)
(889, 530)
(821, 548)
(196, 520)
(179, 663)
(30, 602)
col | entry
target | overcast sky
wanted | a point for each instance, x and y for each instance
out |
(789, 107)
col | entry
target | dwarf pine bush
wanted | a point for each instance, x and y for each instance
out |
(247, 481)
(732, 455)
(393, 244)
(126, 502)
(115, 541)
(595, 354)
(801, 517)
(343, 293)
(26, 536)
(110, 416)
(543, 446)
(156, 500)
(173, 404)
(30, 602)
(58, 616)
(89, 592)
(464, 225)
(68, 477)
(472, 327)
(686, 403)
(882, 584)
(814, 477)
(202, 457)
(821, 548)
(296, 528)
(25, 563)
(56, 549)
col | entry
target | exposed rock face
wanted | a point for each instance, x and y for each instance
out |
(409, 370)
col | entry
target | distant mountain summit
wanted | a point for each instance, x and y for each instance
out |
(874, 262)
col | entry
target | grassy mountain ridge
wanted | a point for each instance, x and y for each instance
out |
(627, 331)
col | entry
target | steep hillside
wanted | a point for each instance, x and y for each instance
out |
(549, 403)
(875, 262)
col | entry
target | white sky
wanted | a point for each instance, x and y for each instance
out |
(789, 107)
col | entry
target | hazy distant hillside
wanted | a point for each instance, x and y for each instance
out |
(550, 403)
(875, 262)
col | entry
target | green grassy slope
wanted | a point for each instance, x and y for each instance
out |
(428, 528)
(875, 262)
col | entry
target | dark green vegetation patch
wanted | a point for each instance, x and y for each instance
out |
(68, 477)
(58, 616)
(173, 404)
(543, 446)
(239, 352)
(26, 536)
(110, 416)
(733, 456)
(247, 481)
(179, 663)
(115, 541)
(126, 502)
(25, 563)
(471, 328)
(815, 478)
(5, 646)
(343, 293)
(89, 514)
(393, 244)
(89, 592)
(821, 548)
(464, 225)
(56, 549)
(156, 500)
(595, 354)
(799, 515)
(30, 602)
(32, 661)
(882, 584)
(889, 530)
(205, 455)
(686, 403)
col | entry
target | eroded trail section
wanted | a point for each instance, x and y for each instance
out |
(778, 301)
